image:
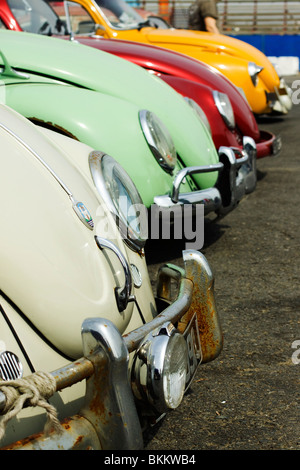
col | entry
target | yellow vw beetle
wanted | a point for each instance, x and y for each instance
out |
(247, 67)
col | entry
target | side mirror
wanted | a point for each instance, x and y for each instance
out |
(99, 30)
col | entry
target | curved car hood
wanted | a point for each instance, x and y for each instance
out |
(99, 71)
(206, 41)
(51, 267)
(172, 63)
(215, 43)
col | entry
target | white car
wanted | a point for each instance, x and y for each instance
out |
(81, 334)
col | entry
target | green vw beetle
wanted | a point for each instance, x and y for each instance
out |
(106, 102)
(79, 324)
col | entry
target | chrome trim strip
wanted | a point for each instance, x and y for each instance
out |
(40, 159)
(55, 176)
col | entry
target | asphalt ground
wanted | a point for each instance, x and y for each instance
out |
(249, 397)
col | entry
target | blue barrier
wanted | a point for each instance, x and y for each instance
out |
(274, 44)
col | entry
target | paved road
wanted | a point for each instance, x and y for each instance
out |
(249, 398)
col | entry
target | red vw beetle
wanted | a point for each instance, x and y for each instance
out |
(202, 83)
(227, 111)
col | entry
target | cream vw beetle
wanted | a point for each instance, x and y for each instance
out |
(81, 333)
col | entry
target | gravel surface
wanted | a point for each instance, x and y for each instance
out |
(248, 398)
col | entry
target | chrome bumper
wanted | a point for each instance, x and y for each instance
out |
(282, 98)
(210, 197)
(237, 177)
(109, 417)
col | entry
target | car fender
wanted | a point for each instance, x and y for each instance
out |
(215, 49)
(52, 269)
(218, 44)
(235, 69)
(202, 94)
(192, 143)
(53, 275)
(172, 67)
(102, 129)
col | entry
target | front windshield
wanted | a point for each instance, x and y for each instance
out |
(35, 16)
(119, 14)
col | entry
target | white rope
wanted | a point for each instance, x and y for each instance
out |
(33, 390)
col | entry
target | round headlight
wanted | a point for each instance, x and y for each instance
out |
(159, 140)
(121, 197)
(224, 107)
(200, 113)
(254, 70)
(160, 367)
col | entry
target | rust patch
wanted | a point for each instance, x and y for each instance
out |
(21, 443)
(203, 304)
(78, 440)
(52, 127)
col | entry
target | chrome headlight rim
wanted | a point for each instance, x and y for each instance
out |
(199, 112)
(224, 107)
(254, 70)
(99, 162)
(151, 373)
(159, 140)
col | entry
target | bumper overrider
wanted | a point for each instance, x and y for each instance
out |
(125, 375)
(237, 177)
(280, 101)
(268, 145)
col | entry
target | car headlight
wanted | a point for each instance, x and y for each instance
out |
(224, 107)
(159, 368)
(159, 140)
(121, 197)
(199, 111)
(254, 70)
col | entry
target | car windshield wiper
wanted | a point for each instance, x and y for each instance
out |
(144, 24)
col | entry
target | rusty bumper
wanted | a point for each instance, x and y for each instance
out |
(109, 418)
